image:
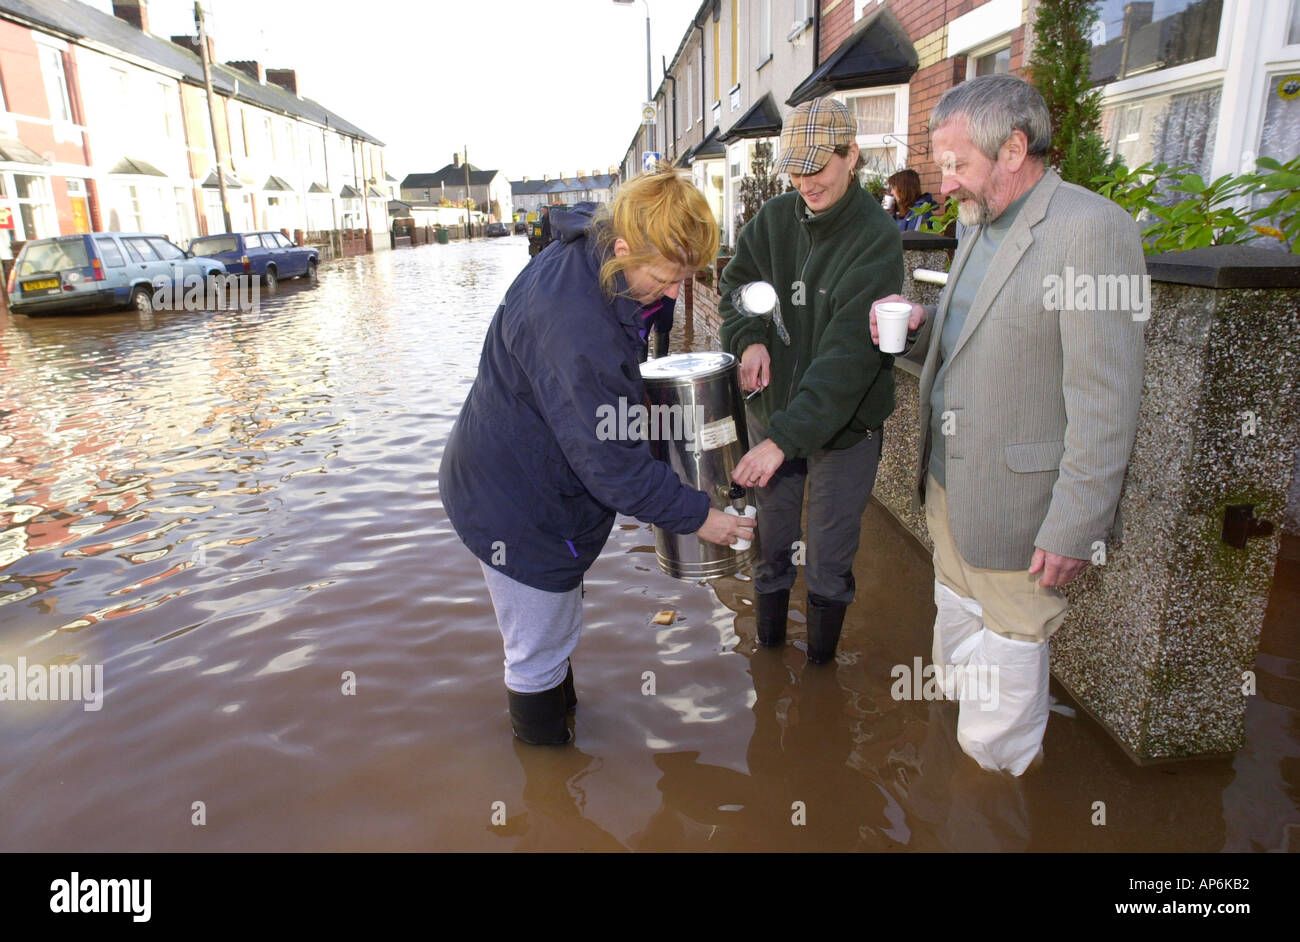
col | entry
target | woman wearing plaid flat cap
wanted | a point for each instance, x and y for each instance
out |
(829, 250)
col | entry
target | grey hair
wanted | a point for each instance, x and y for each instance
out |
(994, 106)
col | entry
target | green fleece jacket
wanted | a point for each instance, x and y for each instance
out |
(832, 384)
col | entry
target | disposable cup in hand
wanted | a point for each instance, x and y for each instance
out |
(751, 512)
(891, 325)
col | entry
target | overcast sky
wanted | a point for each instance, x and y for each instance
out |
(530, 86)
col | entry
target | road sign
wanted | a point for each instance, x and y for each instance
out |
(648, 160)
(649, 112)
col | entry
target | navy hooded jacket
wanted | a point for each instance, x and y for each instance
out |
(527, 480)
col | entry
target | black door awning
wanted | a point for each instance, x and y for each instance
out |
(876, 53)
(761, 120)
(15, 151)
(211, 182)
(129, 166)
(711, 146)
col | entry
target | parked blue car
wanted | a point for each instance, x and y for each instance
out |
(270, 256)
(100, 271)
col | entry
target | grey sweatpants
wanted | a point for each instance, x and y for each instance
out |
(540, 630)
(839, 486)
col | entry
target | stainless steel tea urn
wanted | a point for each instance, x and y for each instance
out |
(697, 424)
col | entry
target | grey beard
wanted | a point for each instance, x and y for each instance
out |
(974, 214)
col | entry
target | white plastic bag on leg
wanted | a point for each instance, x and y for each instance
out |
(1004, 704)
(958, 622)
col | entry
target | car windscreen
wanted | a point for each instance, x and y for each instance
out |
(214, 245)
(54, 255)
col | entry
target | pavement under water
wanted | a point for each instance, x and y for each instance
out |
(237, 516)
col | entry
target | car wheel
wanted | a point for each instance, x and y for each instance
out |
(272, 280)
(142, 300)
(216, 286)
(313, 275)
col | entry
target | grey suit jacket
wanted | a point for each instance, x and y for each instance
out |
(1043, 395)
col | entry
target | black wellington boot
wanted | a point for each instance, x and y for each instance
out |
(825, 619)
(538, 718)
(772, 610)
(570, 694)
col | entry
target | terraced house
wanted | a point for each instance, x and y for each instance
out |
(530, 195)
(104, 126)
(1209, 83)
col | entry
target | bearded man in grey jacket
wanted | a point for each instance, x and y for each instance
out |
(1028, 407)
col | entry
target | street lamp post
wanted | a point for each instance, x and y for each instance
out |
(648, 90)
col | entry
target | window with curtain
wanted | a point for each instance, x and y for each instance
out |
(35, 206)
(875, 113)
(56, 84)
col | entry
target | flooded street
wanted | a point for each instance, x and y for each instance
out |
(237, 516)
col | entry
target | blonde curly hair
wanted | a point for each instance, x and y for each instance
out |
(660, 215)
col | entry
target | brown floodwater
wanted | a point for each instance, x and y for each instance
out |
(237, 516)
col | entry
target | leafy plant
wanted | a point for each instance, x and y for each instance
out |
(941, 220)
(1284, 211)
(759, 186)
(1186, 212)
(875, 184)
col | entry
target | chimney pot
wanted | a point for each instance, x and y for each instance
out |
(250, 67)
(133, 12)
(192, 44)
(285, 78)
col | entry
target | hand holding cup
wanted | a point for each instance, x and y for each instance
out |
(892, 318)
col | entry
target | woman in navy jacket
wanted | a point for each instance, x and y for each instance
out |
(528, 478)
(909, 202)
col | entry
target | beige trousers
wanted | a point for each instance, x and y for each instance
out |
(1015, 605)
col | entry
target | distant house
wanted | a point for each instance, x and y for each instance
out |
(489, 189)
(528, 194)
(595, 187)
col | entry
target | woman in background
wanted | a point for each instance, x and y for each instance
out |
(909, 201)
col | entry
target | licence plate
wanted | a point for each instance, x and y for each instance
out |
(41, 284)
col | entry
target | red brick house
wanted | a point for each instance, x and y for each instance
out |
(44, 152)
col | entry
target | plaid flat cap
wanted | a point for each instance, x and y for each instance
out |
(811, 134)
